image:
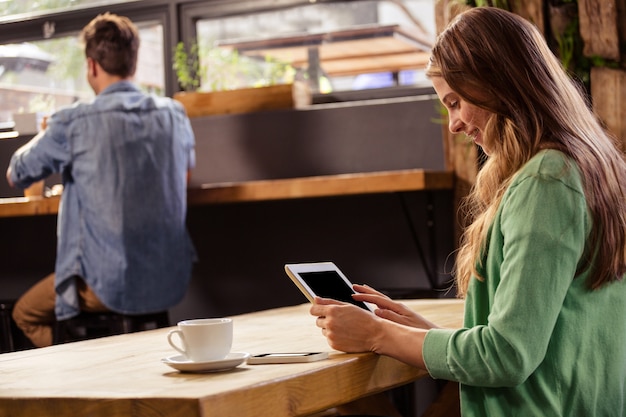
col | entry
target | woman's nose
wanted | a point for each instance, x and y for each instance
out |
(455, 124)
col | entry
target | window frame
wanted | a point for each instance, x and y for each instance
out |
(30, 27)
(178, 18)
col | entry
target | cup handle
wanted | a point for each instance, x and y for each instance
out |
(180, 336)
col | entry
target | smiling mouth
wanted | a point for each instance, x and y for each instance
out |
(472, 135)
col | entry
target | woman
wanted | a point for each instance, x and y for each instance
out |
(542, 262)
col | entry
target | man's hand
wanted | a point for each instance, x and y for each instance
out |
(9, 177)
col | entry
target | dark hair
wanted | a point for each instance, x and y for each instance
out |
(112, 41)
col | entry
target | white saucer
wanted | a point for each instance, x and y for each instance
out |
(181, 363)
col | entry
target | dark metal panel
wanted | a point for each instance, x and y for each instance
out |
(366, 136)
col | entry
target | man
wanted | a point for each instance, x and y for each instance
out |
(124, 159)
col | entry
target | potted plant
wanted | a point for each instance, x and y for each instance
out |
(186, 63)
(227, 97)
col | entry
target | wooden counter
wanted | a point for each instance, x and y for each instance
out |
(122, 376)
(29, 206)
(322, 186)
(280, 189)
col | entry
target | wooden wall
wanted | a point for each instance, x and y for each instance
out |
(602, 29)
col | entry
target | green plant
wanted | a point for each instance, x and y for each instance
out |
(230, 70)
(206, 68)
(186, 63)
(276, 71)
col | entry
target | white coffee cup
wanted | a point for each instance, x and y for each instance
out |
(203, 340)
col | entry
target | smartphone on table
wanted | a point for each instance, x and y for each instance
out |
(287, 357)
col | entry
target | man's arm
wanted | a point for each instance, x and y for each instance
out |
(9, 180)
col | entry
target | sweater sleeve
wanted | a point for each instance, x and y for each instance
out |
(534, 248)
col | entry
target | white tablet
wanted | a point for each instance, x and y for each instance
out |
(325, 280)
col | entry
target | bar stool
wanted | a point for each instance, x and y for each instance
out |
(93, 325)
(11, 338)
(6, 332)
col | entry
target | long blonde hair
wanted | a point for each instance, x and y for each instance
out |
(498, 61)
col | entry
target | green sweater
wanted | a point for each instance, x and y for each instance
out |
(536, 341)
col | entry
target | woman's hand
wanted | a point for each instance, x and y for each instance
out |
(347, 327)
(391, 310)
(352, 329)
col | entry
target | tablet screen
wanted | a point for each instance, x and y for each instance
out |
(328, 284)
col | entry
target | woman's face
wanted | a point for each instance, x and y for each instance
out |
(463, 116)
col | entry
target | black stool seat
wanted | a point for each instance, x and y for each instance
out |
(11, 338)
(92, 325)
(6, 333)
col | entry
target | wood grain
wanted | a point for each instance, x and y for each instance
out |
(323, 186)
(608, 91)
(308, 187)
(29, 206)
(531, 10)
(244, 100)
(122, 376)
(598, 28)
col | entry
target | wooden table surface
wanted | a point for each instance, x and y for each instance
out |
(123, 376)
(279, 189)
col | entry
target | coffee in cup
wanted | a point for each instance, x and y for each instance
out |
(203, 340)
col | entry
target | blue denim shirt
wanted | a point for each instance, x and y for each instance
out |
(121, 224)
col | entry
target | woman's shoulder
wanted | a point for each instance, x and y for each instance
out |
(551, 164)
(548, 161)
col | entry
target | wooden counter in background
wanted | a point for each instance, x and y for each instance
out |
(279, 189)
(29, 206)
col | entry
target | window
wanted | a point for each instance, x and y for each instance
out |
(46, 71)
(14, 7)
(334, 46)
(43, 76)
